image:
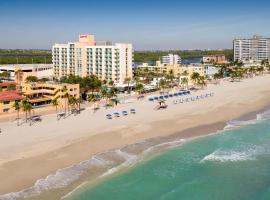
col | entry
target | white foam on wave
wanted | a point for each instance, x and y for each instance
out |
(169, 144)
(60, 179)
(233, 124)
(249, 153)
(130, 160)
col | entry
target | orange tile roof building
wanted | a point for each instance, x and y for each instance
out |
(7, 100)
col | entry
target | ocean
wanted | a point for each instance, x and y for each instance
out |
(233, 164)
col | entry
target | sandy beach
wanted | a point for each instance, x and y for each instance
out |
(28, 153)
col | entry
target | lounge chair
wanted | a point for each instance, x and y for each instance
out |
(151, 99)
(124, 113)
(171, 95)
(166, 96)
(116, 114)
(161, 97)
(132, 111)
(155, 98)
(175, 94)
(109, 116)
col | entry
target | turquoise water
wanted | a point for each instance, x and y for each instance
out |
(231, 165)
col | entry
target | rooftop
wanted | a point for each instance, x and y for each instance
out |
(10, 96)
(5, 84)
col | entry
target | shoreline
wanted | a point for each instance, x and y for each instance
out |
(84, 146)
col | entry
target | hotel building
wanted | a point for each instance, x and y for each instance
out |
(255, 49)
(171, 59)
(39, 94)
(105, 60)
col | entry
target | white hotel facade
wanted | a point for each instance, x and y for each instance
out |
(250, 50)
(171, 59)
(105, 60)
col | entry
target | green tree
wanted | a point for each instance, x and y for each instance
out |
(11, 87)
(195, 77)
(17, 106)
(55, 103)
(162, 85)
(27, 108)
(127, 81)
(139, 88)
(31, 79)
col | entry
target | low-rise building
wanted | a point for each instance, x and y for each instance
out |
(25, 70)
(39, 94)
(210, 70)
(214, 59)
(160, 68)
(7, 100)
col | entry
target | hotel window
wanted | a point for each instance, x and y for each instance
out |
(6, 102)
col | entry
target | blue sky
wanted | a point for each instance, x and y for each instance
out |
(148, 24)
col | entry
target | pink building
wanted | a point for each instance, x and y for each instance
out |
(105, 60)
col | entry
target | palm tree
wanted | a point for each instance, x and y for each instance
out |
(162, 84)
(78, 102)
(27, 108)
(184, 81)
(72, 101)
(195, 77)
(139, 88)
(171, 76)
(92, 98)
(127, 80)
(24, 108)
(17, 107)
(55, 103)
(202, 81)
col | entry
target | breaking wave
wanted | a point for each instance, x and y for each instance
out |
(249, 153)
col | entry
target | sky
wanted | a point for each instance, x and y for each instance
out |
(147, 24)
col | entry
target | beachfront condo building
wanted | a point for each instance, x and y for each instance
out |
(105, 60)
(171, 59)
(251, 50)
(40, 94)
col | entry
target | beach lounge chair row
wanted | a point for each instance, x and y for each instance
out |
(118, 114)
(177, 94)
(194, 98)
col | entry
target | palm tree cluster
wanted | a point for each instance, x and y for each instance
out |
(26, 107)
(198, 79)
(87, 84)
(237, 71)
